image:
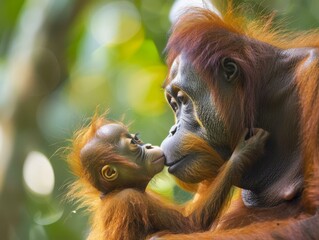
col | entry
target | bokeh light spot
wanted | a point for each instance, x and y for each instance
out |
(115, 23)
(180, 6)
(38, 173)
(47, 218)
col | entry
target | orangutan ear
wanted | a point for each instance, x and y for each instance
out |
(230, 69)
(109, 173)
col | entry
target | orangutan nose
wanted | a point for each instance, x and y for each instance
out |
(148, 146)
(173, 130)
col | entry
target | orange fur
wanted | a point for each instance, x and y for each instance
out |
(200, 27)
(82, 190)
(195, 144)
(209, 165)
(199, 34)
(133, 214)
(308, 86)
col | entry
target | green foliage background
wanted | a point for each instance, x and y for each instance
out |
(58, 61)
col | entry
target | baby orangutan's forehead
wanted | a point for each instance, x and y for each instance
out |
(111, 132)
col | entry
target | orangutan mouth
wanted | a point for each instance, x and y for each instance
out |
(162, 157)
(175, 165)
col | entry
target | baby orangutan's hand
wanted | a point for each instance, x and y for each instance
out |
(249, 151)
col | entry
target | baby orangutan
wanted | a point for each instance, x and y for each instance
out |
(117, 166)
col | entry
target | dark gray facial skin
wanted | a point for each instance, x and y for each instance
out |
(191, 103)
(276, 111)
(149, 159)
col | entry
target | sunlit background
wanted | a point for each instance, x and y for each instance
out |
(58, 61)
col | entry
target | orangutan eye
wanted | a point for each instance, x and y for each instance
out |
(135, 139)
(173, 104)
(181, 98)
(136, 136)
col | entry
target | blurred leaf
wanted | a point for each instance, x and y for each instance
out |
(9, 14)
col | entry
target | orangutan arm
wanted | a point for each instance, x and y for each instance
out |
(305, 227)
(210, 205)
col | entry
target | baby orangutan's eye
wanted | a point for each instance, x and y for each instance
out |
(135, 139)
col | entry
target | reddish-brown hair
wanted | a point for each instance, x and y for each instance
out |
(85, 165)
(308, 86)
(205, 38)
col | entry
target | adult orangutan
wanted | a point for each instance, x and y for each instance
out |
(114, 167)
(227, 74)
